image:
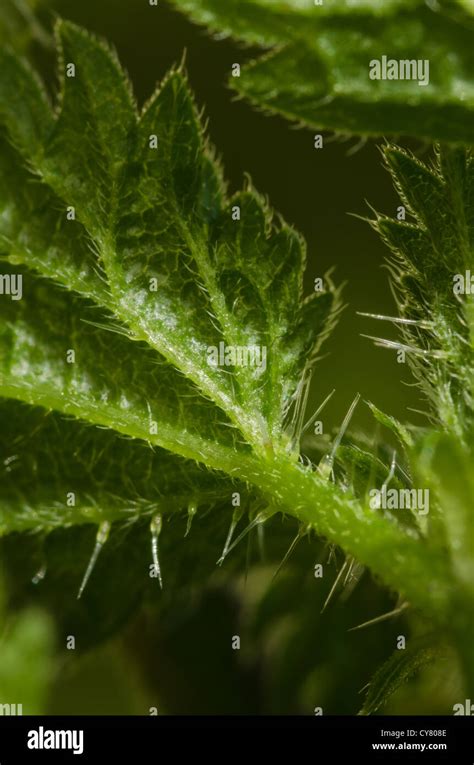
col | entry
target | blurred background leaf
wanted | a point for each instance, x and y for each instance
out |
(27, 664)
(20, 26)
(313, 67)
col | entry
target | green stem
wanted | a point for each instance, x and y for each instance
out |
(398, 555)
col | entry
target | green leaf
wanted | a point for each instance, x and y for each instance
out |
(447, 467)
(53, 354)
(56, 473)
(60, 480)
(164, 211)
(431, 263)
(432, 252)
(133, 257)
(401, 666)
(401, 432)
(316, 66)
(444, 464)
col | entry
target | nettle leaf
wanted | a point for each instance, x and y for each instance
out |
(431, 264)
(400, 431)
(401, 666)
(318, 58)
(103, 219)
(432, 261)
(158, 308)
(55, 355)
(61, 480)
(146, 187)
(447, 465)
(56, 473)
(444, 464)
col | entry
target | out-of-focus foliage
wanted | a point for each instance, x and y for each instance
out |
(315, 68)
(27, 665)
(19, 24)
